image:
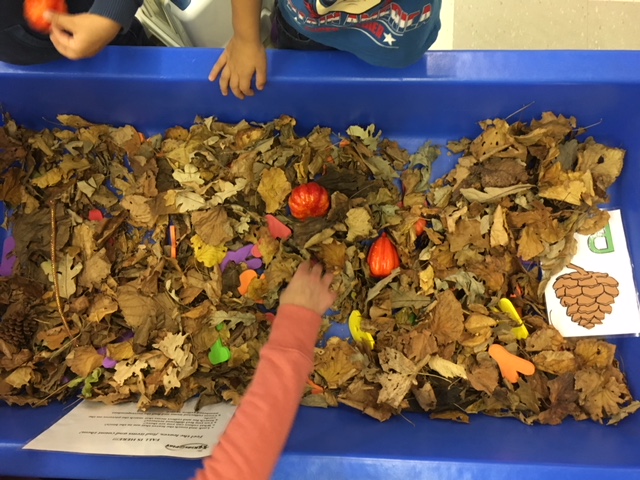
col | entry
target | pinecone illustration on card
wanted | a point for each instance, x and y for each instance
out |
(587, 296)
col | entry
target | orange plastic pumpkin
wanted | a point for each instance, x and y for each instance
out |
(308, 201)
(383, 257)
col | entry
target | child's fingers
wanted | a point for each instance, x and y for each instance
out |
(300, 274)
(244, 85)
(217, 68)
(316, 271)
(60, 37)
(224, 82)
(61, 21)
(261, 77)
(304, 266)
(62, 41)
(234, 85)
(327, 280)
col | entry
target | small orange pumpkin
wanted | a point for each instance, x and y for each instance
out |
(383, 257)
(34, 11)
(420, 225)
(308, 201)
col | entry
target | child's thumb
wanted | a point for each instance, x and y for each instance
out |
(61, 21)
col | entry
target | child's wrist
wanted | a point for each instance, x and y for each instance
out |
(299, 305)
(248, 38)
(296, 327)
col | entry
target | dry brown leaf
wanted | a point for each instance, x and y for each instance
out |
(102, 306)
(448, 321)
(425, 397)
(120, 351)
(569, 187)
(391, 359)
(544, 339)
(10, 362)
(447, 368)
(126, 370)
(53, 338)
(556, 363)
(454, 415)
(427, 280)
(499, 236)
(484, 377)
(213, 226)
(136, 309)
(492, 194)
(84, 360)
(141, 211)
(624, 412)
(604, 163)
(419, 343)
(601, 392)
(563, 399)
(477, 322)
(67, 272)
(96, 269)
(595, 353)
(338, 362)
(274, 189)
(468, 232)
(395, 387)
(359, 223)
(20, 377)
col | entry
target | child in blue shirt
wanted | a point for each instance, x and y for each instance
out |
(387, 33)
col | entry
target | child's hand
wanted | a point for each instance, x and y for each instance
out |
(237, 65)
(83, 35)
(309, 288)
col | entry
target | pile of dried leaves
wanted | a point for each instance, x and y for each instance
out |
(125, 321)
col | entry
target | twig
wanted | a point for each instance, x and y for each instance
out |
(42, 401)
(54, 266)
(406, 419)
(71, 341)
(55, 392)
(367, 187)
(518, 111)
(577, 129)
(435, 376)
(111, 227)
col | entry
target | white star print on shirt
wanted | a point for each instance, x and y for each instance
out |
(388, 38)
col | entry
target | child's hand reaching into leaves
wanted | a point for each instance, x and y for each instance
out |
(310, 288)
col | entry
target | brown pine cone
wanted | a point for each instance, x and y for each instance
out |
(17, 331)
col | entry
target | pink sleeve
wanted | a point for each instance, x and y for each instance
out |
(252, 443)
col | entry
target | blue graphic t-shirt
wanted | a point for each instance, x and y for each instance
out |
(389, 33)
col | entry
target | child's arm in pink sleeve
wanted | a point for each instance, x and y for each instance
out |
(252, 443)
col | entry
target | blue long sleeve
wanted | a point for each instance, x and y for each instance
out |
(121, 11)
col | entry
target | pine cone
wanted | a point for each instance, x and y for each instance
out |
(588, 296)
(17, 331)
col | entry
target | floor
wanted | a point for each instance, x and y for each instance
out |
(539, 25)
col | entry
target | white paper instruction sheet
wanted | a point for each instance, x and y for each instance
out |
(122, 430)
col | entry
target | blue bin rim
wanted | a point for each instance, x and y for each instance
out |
(537, 67)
